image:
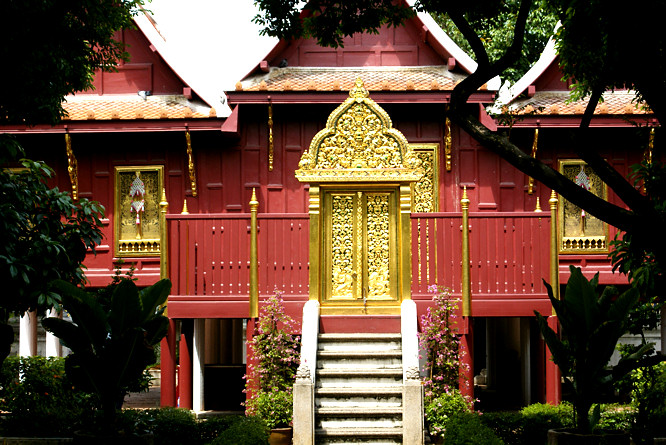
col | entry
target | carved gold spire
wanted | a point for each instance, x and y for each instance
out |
(447, 144)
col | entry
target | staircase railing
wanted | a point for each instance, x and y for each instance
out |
(304, 408)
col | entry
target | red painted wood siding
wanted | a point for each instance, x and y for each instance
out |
(209, 255)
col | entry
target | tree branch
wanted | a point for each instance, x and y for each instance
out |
(618, 183)
(602, 209)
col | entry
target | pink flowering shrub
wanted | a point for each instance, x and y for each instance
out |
(274, 359)
(440, 341)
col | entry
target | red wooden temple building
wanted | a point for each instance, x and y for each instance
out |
(361, 188)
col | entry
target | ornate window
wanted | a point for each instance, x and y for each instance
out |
(580, 232)
(136, 216)
(425, 192)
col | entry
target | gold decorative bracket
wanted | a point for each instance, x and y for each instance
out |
(271, 148)
(72, 167)
(648, 152)
(190, 164)
(530, 180)
(447, 144)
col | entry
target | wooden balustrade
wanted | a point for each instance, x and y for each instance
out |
(509, 254)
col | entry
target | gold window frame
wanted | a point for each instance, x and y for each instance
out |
(425, 192)
(572, 235)
(132, 239)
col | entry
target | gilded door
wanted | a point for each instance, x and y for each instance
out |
(360, 248)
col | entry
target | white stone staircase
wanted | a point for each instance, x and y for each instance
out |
(358, 390)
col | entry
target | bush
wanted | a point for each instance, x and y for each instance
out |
(466, 429)
(616, 417)
(209, 429)
(245, 431)
(507, 425)
(40, 399)
(439, 410)
(274, 406)
(173, 426)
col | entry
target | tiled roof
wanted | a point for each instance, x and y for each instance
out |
(422, 78)
(93, 107)
(554, 103)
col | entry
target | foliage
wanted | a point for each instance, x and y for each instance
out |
(212, 427)
(55, 48)
(647, 388)
(496, 30)
(246, 431)
(111, 348)
(274, 359)
(274, 406)
(636, 257)
(284, 19)
(466, 428)
(591, 326)
(172, 426)
(530, 425)
(440, 339)
(44, 235)
(39, 398)
(441, 409)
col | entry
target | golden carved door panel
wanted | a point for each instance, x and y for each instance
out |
(360, 242)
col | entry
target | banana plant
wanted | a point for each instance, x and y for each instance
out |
(591, 325)
(111, 344)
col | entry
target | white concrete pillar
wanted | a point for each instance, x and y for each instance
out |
(28, 335)
(53, 348)
(198, 359)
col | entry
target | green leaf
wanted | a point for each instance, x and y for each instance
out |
(154, 296)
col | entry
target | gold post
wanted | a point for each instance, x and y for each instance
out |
(466, 281)
(187, 212)
(538, 206)
(554, 256)
(164, 254)
(72, 167)
(254, 264)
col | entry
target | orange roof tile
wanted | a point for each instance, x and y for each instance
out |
(545, 103)
(93, 107)
(421, 78)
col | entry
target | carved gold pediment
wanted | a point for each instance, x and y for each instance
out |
(359, 145)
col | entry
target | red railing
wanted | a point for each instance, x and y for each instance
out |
(210, 254)
(509, 253)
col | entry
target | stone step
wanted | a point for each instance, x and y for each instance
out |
(358, 378)
(359, 397)
(324, 338)
(326, 422)
(359, 411)
(358, 435)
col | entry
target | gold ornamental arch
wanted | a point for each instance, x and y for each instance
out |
(360, 171)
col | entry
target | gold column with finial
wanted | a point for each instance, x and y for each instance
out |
(254, 263)
(185, 211)
(466, 280)
(554, 248)
(537, 209)
(164, 252)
